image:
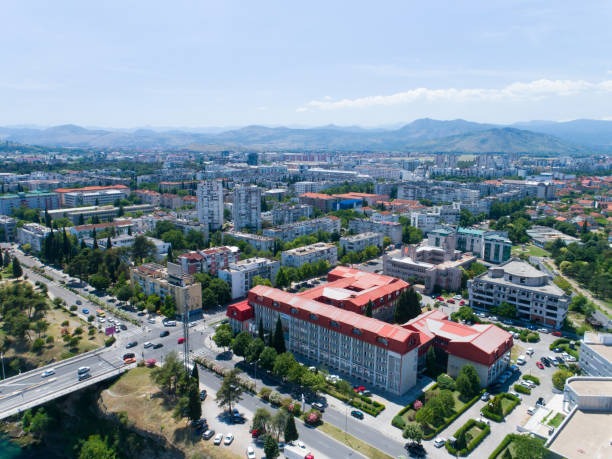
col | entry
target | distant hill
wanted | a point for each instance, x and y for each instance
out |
(423, 134)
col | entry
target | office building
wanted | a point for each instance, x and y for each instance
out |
(92, 195)
(34, 200)
(519, 284)
(392, 230)
(596, 354)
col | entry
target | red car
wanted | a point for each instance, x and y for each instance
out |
(462, 302)
(556, 333)
(450, 300)
(440, 298)
(540, 365)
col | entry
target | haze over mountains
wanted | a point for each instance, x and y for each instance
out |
(425, 135)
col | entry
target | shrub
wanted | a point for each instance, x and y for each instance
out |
(505, 442)
(522, 389)
(265, 392)
(49, 340)
(110, 341)
(312, 417)
(65, 323)
(37, 345)
(417, 405)
(470, 443)
(398, 422)
(294, 408)
(275, 398)
(73, 307)
(533, 379)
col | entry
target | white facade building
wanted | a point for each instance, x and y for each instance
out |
(240, 275)
(246, 208)
(359, 242)
(210, 204)
(310, 254)
(596, 354)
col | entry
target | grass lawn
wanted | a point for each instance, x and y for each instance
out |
(516, 350)
(136, 395)
(530, 250)
(506, 404)
(556, 420)
(352, 442)
(473, 433)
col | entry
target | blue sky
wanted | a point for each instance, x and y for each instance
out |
(233, 63)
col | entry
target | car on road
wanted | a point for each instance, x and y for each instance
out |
(131, 344)
(157, 345)
(250, 453)
(203, 395)
(47, 372)
(439, 442)
(129, 355)
(208, 434)
(540, 365)
(229, 438)
(357, 414)
(318, 406)
(164, 333)
(218, 439)
(169, 323)
(83, 376)
(85, 311)
(147, 345)
(83, 370)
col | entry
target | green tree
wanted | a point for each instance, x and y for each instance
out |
(230, 391)
(261, 420)
(254, 350)
(258, 280)
(368, 309)
(282, 279)
(445, 381)
(41, 422)
(142, 248)
(279, 337)
(290, 434)
(468, 382)
(167, 376)
(223, 336)
(267, 358)
(559, 377)
(526, 446)
(284, 363)
(271, 448)
(96, 448)
(241, 342)
(194, 404)
(260, 331)
(413, 432)
(408, 306)
(209, 298)
(17, 271)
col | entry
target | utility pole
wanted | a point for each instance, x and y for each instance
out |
(2, 358)
(186, 331)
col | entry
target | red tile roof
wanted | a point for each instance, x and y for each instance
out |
(368, 329)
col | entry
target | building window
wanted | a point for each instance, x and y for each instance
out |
(313, 317)
(275, 304)
(334, 324)
(294, 311)
(382, 340)
(356, 331)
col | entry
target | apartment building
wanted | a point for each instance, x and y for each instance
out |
(246, 209)
(92, 195)
(8, 229)
(154, 279)
(309, 187)
(79, 215)
(359, 242)
(285, 214)
(491, 246)
(210, 204)
(305, 228)
(33, 234)
(258, 242)
(34, 200)
(518, 283)
(310, 254)
(207, 261)
(116, 227)
(390, 229)
(239, 275)
(485, 347)
(364, 349)
(596, 354)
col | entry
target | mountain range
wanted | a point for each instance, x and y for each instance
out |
(426, 135)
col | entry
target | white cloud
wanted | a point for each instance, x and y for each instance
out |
(533, 90)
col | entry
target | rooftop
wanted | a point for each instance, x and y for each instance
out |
(585, 435)
(521, 269)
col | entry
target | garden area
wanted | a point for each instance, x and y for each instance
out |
(437, 407)
(516, 446)
(566, 345)
(500, 406)
(468, 437)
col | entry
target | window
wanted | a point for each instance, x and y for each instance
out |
(334, 324)
(356, 331)
(382, 340)
(313, 317)
(275, 304)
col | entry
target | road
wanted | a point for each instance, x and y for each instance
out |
(313, 438)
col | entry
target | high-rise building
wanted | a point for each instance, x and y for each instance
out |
(247, 208)
(210, 204)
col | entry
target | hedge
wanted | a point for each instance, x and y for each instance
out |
(497, 417)
(533, 379)
(522, 389)
(359, 401)
(450, 420)
(486, 430)
(492, 416)
(505, 442)
(398, 421)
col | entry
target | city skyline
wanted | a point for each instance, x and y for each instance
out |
(203, 64)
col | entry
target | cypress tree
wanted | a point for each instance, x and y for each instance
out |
(291, 433)
(279, 338)
(260, 332)
(368, 309)
(109, 244)
(17, 270)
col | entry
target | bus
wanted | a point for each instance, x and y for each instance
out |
(100, 313)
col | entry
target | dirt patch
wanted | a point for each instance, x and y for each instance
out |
(147, 411)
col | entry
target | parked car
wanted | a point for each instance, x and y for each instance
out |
(180, 341)
(79, 302)
(164, 333)
(147, 345)
(131, 344)
(540, 365)
(439, 442)
(543, 330)
(229, 438)
(485, 397)
(208, 434)
(85, 311)
(129, 355)
(451, 301)
(357, 414)
(157, 345)
(457, 297)
(557, 333)
(250, 452)
(218, 439)
(318, 406)
(541, 402)
(531, 410)
(516, 394)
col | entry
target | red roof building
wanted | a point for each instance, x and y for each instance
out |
(486, 347)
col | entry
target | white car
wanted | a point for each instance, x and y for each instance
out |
(250, 452)
(439, 442)
(458, 297)
(48, 372)
(101, 320)
(229, 438)
(218, 439)
(147, 345)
